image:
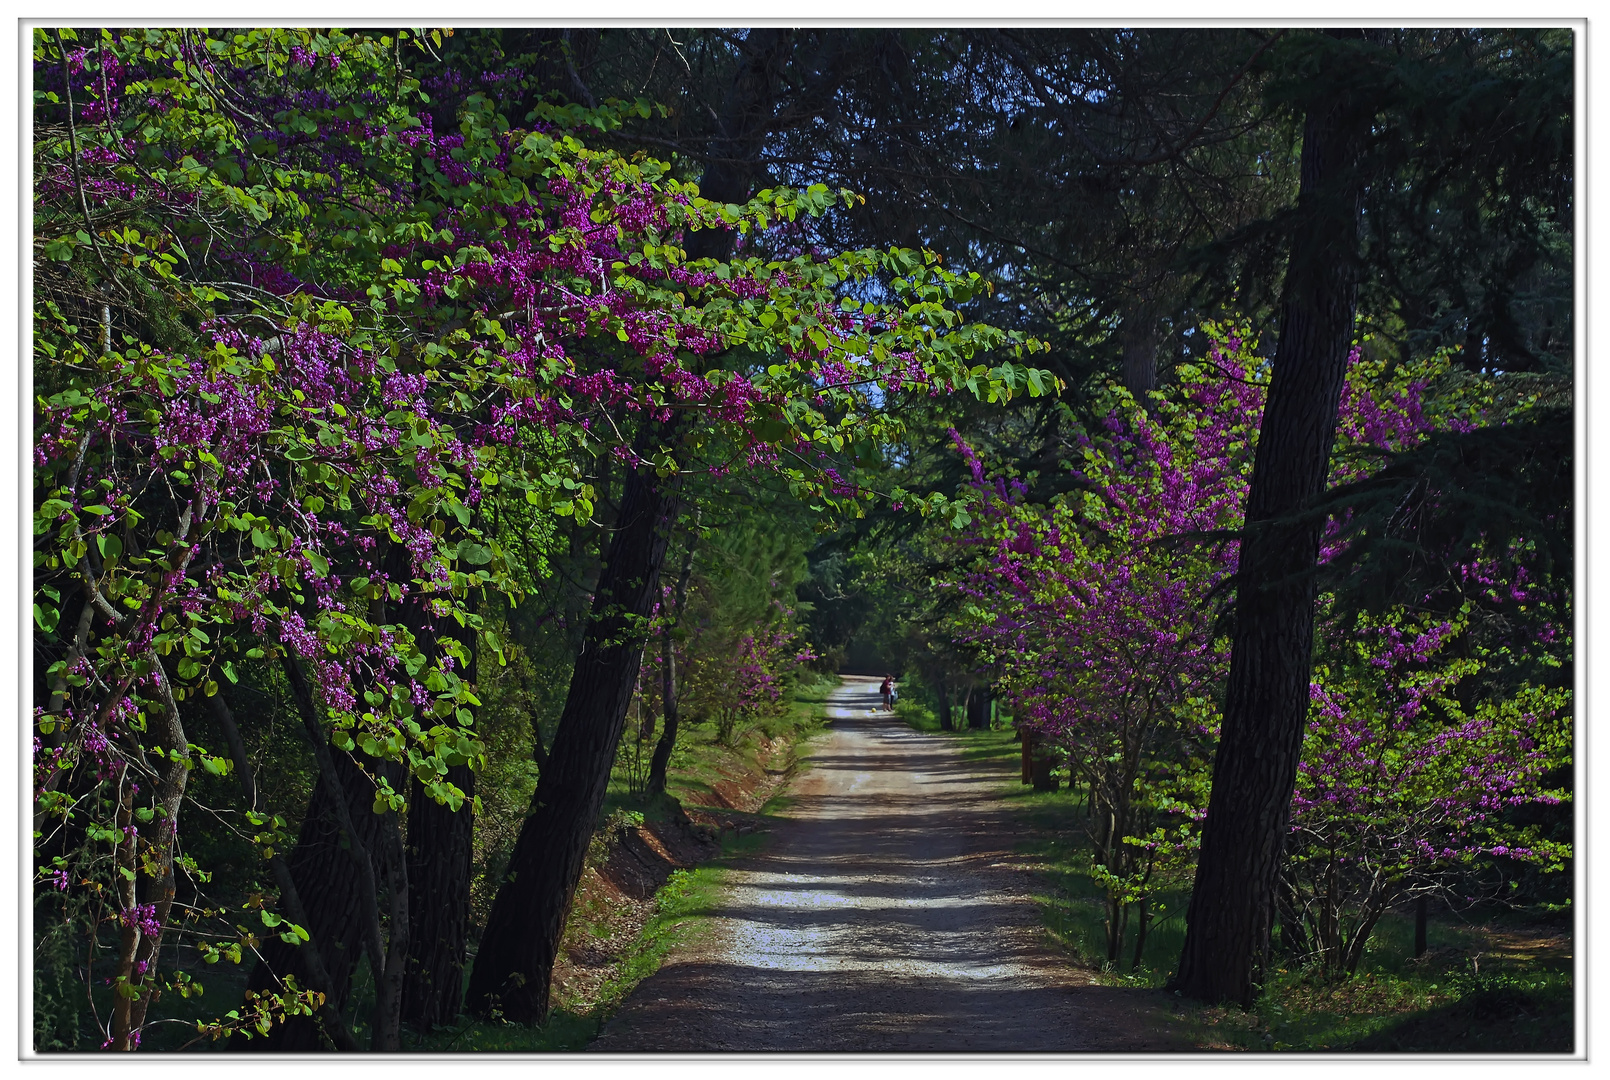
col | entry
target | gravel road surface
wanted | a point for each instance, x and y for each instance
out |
(887, 913)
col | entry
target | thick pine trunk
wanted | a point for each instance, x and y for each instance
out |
(1266, 704)
(1138, 337)
(330, 881)
(518, 949)
(290, 896)
(439, 867)
(521, 942)
(440, 858)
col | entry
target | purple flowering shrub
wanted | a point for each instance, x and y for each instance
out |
(1403, 785)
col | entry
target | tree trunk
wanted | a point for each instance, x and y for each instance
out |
(166, 731)
(518, 949)
(1420, 905)
(1293, 936)
(1040, 761)
(290, 897)
(661, 761)
(440, 857)
(327, 879)
(439, 868)
(944, 706)
(978, 699)
(1266, 704)
(746, 116)
(1139, 339)
(1361, 936)
(1041, 775)
(339, 890)
(1117, 922)
(521, 941)
(1143, 919)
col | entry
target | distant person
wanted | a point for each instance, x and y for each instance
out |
(887, 690)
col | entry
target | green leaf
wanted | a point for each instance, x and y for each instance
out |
(47, 618)
(473, 553)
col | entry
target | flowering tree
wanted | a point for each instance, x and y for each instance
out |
(1100, 611)
(293, 345)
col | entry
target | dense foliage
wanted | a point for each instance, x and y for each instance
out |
(304, 362)
(360, 355)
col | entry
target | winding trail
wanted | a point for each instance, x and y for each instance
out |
(887, 913)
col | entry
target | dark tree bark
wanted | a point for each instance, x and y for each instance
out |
(338, 891)
(661, 761)
(327, 880)
(439, 868)
(290, 898)
(944, 705)
(978, 702)
(1041, 763)
(440, 857)
(383, 857)
(1266, 705)
(521, 942)
(1420, 906)
(746, 117)
(1143, 921)
(1139, 339)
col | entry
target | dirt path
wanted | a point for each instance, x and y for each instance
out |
(888, 913)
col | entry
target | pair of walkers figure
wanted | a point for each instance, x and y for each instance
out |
(890, 695)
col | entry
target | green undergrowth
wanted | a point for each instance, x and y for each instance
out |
(767, 746)
(1473, 991)
(977, 744)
